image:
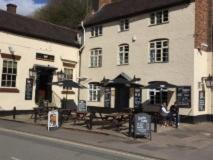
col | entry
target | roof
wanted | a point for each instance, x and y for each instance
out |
(127, 8)
(25, 26)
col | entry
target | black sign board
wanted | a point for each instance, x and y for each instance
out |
(201, 100)
(29, 89)
(107, 97)
(45, 57)
(82, 106)
(142, 125)
(184, 96)
(137, 97)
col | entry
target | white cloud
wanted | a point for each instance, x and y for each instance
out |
(25, 7)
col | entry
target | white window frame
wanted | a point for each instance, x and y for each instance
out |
(7, 74)
(124, 25)
(159, 17)
(123, 54)
(159, 51)
(96, 31)
(96, 57)
(68, 73)
(155, 91)
(94, 93)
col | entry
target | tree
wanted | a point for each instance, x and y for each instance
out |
(67, 13)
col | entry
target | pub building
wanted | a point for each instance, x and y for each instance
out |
(130, 44)
(33, 54)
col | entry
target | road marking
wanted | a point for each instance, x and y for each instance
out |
(14, 158)
(86, 146)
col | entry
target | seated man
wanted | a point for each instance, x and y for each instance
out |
(174, 110)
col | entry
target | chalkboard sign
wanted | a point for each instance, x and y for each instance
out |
(137, 97)
(82, 107)
(29, 89)
(201, 100)
(184, 96)
(107, 97)
(142, 125)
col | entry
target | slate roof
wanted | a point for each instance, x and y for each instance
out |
(29, 27)
(127, 8)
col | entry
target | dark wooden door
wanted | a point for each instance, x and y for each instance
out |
(121, 98)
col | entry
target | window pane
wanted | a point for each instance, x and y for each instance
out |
(3, 77)
(152, 18)
(13, 83)
(165, 43)
(158, 44)
(165, 16)
(8, 84)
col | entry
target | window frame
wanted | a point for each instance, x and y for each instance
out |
(123, 54)
(124, 25)
(157, 47)
(155, 91)
(66, 76)
(96, 58)
(96, 31)
(159, 17)
(94, 93)
(13, 82)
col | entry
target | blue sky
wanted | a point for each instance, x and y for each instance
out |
(25, 7)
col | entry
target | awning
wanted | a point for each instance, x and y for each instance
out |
(159, 84)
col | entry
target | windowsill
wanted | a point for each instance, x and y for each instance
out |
(94, 101)
(123, 31)
(157, 62)
(151, 25)
(123, 64)
(9, 90)
(67, 92)
(95, 67)
(96, 36)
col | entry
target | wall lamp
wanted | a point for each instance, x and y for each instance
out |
(209, 81)
(32, 73)
(60, 75)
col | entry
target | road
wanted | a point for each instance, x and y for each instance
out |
(23, 146)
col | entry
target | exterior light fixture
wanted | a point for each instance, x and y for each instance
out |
(209, 81)
(60, 75)
(32, 73)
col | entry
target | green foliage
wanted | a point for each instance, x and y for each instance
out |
(67, 13)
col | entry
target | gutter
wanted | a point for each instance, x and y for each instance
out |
(80, 52)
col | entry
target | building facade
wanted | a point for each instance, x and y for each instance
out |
(150, 41)
(30, 46)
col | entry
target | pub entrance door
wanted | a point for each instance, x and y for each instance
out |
(121, 97)
(44, 84)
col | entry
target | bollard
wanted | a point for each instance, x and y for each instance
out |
(14, 112)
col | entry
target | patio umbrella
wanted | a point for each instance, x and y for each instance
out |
(160, 85)
(66, 84)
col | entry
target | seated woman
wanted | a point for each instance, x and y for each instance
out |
(165, 114)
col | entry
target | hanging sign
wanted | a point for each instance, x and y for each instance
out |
(137, 97)
(82, 106)
(29, 89)
(53, 120)
(201, 100)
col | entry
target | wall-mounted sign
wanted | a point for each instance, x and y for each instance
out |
(53, 120)
(142, 125)
(137, 97)
(201, 100)
(107, 97)
(29, 89)
(45, 57)
(184, 96)
(82, 106)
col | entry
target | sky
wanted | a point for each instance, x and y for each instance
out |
(25, 7)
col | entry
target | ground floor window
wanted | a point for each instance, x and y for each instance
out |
(158, 96)
(94, 92)
(9, 73)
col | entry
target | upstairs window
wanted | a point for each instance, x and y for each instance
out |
(123, 56)
(94, 93)
(96, 58)
(159, 17)
(159, 51)
(9, 73)
(96, 31)
(68, 73)
(124, 25)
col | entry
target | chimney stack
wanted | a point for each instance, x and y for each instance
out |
(11, 8)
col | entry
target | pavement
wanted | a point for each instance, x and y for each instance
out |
(188, 142)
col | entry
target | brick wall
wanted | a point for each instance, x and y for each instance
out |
(203, 23)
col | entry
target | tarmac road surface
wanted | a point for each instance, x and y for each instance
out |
(16, 145)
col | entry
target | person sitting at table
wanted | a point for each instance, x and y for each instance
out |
(167, 116)
(174, 110)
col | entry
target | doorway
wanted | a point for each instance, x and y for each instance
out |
(43, 84)
(121, 97)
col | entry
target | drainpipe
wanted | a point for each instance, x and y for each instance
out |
(80, 52)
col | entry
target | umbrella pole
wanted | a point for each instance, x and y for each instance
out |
(161, 96)
(66, 98)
